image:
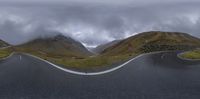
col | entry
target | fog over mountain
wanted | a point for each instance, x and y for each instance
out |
(95, 22)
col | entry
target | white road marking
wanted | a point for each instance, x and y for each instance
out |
(92, 73)
(20, 57)
(8, 56)
(162, 56)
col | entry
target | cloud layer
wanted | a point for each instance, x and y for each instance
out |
(95, 24)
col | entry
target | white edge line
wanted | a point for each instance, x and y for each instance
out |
(93, 73)
(85, 73)
(8, 56)
(186, 59)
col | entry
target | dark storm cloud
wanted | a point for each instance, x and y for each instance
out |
(97, 23)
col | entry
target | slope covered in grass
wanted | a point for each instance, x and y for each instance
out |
(3, 44)
(69, 53)
(57, 47)
(153, 41)
(102, 47)
(3, 51)
(193, 55)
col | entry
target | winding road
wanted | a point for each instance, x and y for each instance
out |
(151, 76)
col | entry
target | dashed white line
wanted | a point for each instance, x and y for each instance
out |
(20, 57)
(162, 56)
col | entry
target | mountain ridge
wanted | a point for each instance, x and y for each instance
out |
(58, 44)
(3, 44)
(142, 41)
(69, 53)
(101, 47)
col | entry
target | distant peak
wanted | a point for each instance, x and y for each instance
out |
(60, 37)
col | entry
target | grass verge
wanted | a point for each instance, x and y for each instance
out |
(84, 63)
(4, 53)
(194, 54)
(76, 62)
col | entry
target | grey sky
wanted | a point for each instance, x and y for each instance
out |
(95, 22)
(109, 2)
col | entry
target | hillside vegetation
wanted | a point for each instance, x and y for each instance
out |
(102, 47)
(4, 52)
(56, 47)
(69, 53)
(193, 55)
(3, 44)
(153, 41)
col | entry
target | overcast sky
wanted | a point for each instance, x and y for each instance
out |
(95, 22)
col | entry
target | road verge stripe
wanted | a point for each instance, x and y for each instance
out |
(93, 73)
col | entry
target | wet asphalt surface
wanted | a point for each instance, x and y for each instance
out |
(156, 76)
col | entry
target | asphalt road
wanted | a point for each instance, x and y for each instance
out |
(156, 76)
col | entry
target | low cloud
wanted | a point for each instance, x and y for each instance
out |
(96, 24)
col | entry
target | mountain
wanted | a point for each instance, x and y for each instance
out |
(153, 41)
(58, 46)
(3, 49)
(3, 44)
(69, 53)
(102, 47)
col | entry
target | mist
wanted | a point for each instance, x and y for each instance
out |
(95, 23)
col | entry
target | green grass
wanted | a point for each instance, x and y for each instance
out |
(4, 53)
(131, 47)
(84, 63)
(92, 62)
(153, 41)
(76, 62)
(195, 54)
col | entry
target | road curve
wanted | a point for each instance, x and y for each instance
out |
(152, 76)
(100, 72)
